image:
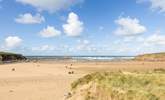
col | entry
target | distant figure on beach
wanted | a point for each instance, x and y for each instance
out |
(69, 67)
(71, 72)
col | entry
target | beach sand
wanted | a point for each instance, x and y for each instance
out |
(51, 80)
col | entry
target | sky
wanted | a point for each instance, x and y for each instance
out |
(82, 27)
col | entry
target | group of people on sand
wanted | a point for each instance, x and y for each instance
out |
(70, 67)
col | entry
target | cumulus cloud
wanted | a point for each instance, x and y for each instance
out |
(155, 39)
(74, 26)
(156, 4)
(28, 18)
(50, 31)
(12, 41)
(129, 27)
(50, 5)
(154, 42)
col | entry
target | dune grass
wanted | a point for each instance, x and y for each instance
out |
(151, 57)
(121, 86)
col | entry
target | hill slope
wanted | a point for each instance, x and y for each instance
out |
(151, 57)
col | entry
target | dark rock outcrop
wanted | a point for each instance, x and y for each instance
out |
(11, 57)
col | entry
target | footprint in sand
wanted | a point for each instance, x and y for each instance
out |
(11, 91)
(67, 95)
(66, 67)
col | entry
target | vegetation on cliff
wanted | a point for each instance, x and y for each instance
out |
(120, 86)
(151, 57)
(6, 56)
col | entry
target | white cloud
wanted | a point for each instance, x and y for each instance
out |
(156, 4)
(74, 26)
(12, 41)
(152, 43)
(28, 18)
(141, 44)
(43, 48)
(50, 5)
(84, 45)
(155, 39)
(50, 31)
(129, 27)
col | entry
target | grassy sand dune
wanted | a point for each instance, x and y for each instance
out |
(120, 86)
(151, 57)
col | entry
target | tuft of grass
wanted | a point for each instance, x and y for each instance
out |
(159, 70)
(123, 85)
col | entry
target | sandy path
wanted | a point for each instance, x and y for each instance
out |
(50, 81)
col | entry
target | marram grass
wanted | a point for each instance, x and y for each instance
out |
(120, 86)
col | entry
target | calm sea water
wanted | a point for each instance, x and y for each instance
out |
(90, 58)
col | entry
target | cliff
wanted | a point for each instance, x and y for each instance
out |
(11, 57)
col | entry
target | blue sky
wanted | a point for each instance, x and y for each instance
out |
(82, 27)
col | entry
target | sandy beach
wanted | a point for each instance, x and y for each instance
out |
(51, 81)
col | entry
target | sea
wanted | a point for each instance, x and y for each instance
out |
(81, 58)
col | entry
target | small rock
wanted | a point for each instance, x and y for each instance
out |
(13, 69)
